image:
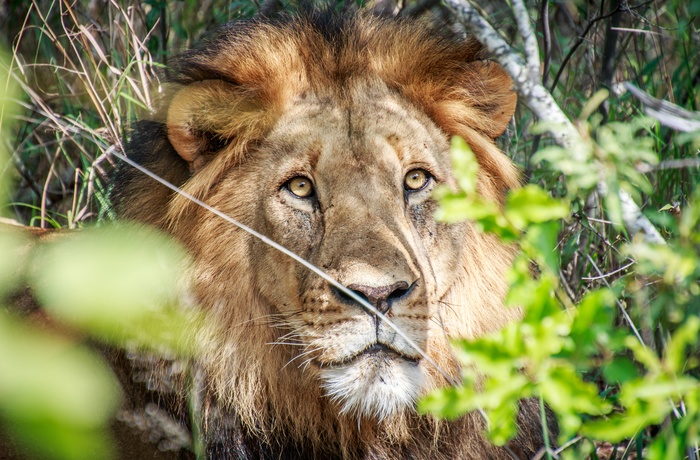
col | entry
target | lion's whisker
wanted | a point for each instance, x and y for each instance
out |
(285, 343)
(268, 318)
(301, 355)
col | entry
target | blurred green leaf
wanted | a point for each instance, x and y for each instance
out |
(120, 282)
(672, 263)
(613, 205)
(14, 248)
(464, 165)
(502, 424)
(620, 370)
(532, 205)
(542, 239)
(55, 397)
(449, 402)
(685, 336)
(593, 322)
(593, 103)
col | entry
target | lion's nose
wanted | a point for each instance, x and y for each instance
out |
(381, 297)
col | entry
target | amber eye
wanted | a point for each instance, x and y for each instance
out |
(415, 180)
(300, 187)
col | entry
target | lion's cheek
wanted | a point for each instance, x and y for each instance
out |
(447, 250)
(278, 275)
(337, 337)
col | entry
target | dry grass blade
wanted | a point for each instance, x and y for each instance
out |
(81, 80)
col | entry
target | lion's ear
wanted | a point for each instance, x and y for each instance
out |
(205, 117)
(497, 100)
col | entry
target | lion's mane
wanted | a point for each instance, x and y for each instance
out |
(221, 101)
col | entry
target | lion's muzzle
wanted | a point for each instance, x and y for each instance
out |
(381, 297)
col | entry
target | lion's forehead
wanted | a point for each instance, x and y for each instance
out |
(375, 131)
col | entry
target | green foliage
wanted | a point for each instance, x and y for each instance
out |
(551, 353)
(608, 161)
(597, 294)
(142, 300)
(58, 396)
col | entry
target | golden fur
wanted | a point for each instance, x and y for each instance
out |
(353, 104)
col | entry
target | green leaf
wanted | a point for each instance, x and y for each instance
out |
(14, 247)
(449, 403)
(493, 354)
(593, 321)
(464, 165)
(613, 205)
(542, 238)
(502, 425)
(540, 302)
(682, 338)
(564, 390)
(56, 397)
(620, 426)
(456, 208)
(660, 389)
(121, 283)
(620, 370)
(532, 205)
(593, 103)
(644, 355)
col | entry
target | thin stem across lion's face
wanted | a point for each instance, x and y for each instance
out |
(359, 205)
(293, 256)
(368, 229)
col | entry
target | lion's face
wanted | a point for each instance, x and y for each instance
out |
(330, 145)
(347, 185)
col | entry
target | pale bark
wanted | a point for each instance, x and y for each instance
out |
(528, 84)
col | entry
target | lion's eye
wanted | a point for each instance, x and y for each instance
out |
(416, 179)
(300, 187)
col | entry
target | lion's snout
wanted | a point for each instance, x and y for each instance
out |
(382, 298)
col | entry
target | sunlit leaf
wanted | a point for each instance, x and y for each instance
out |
(464, 165)
(531, 204)
(502, 423)
(449, 403)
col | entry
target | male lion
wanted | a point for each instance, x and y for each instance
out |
(327, 134)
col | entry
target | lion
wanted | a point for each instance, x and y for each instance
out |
(327, 133)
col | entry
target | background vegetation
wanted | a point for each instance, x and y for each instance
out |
(609, 340)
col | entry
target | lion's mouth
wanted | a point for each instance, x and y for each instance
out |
(376, 349)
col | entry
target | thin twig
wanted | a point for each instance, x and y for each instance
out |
(546, 40)
(609, 274)
(575, 46)
(619, 304)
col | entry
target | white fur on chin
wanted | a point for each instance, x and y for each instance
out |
(375, 386)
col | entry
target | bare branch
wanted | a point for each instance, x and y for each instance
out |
(532, 50)
(539, 100)
(532, 93)
(546, 40)
(667, 113)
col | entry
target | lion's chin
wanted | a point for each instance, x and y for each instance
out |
(374, 385)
